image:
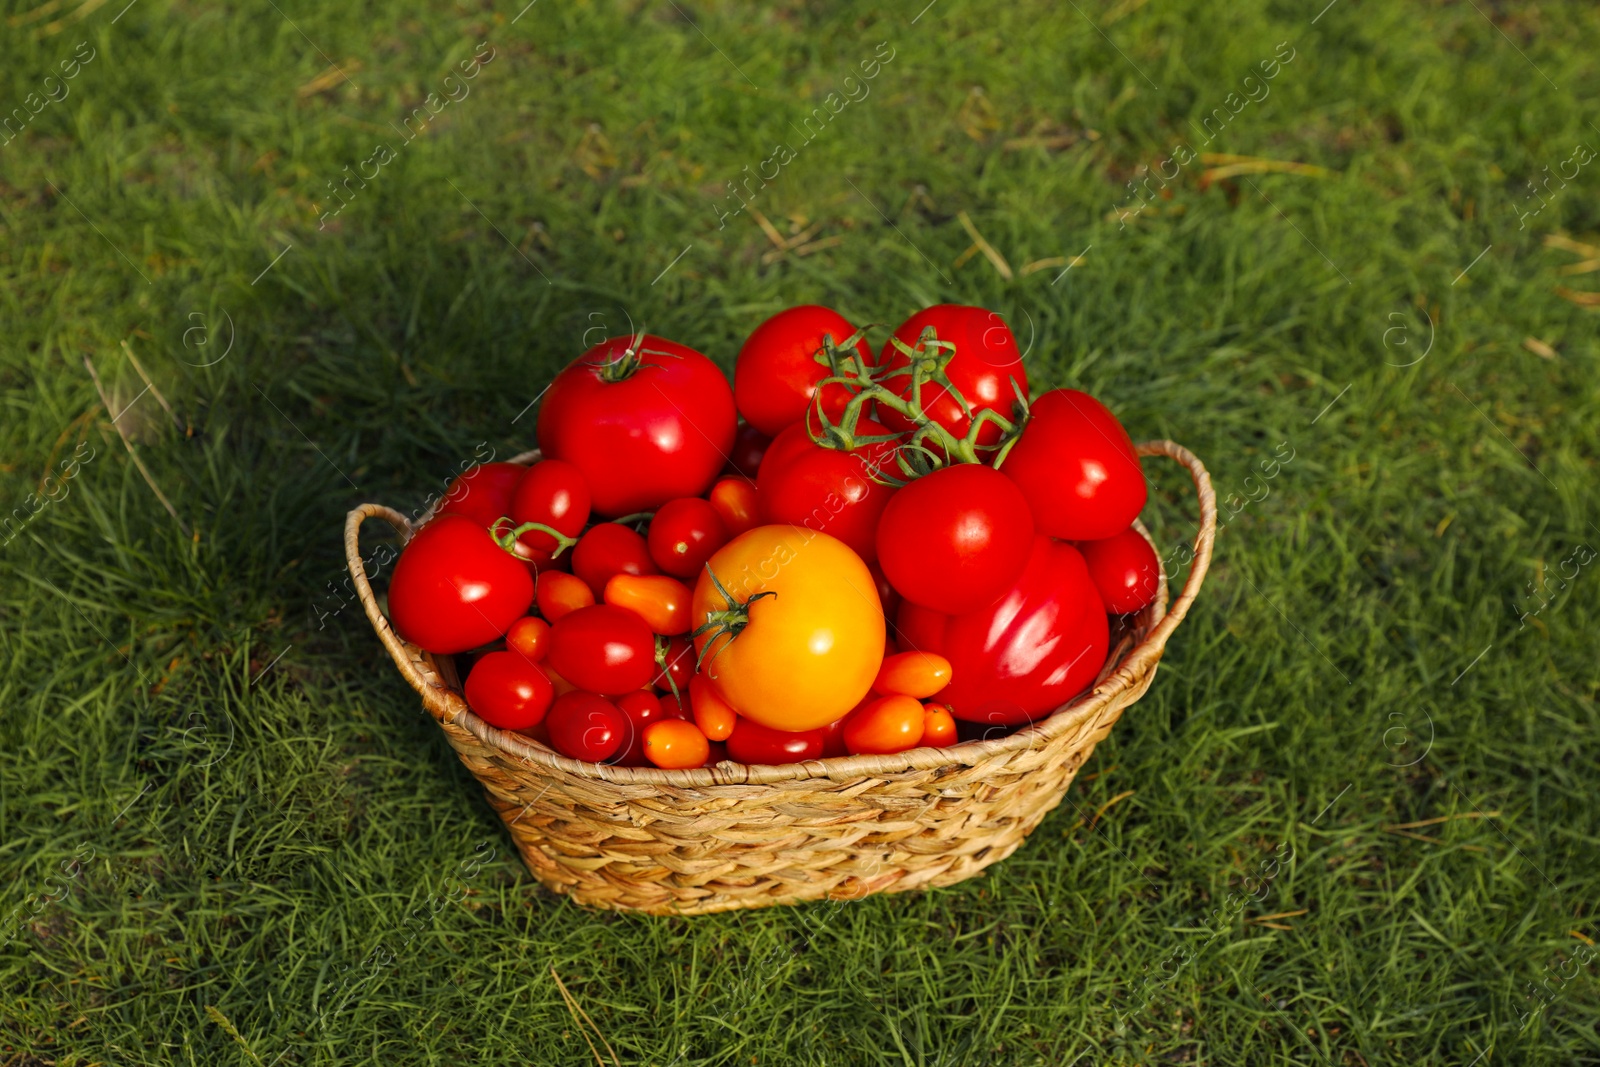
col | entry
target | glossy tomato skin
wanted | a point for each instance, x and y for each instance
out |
(986, 360)
(662, 432)
(749, 446)
(610, 548)
(661, 601)
(603, 649)
(912, 674)
(1032, 650)
(454, 588)
(508, 690)
(1077, 467)
(482, 493)
(737, 504)
(584, 726)
(561, 594)
(674, 660)
(888, 724)
(683, 534)
(1124, 569)
(777, 373)
(673, 744)
(553, 493)
(955, 539)
(804, 484)
(811, 651)
(753, 743)
(529, 637)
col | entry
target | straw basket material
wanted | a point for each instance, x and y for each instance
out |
(734, 836)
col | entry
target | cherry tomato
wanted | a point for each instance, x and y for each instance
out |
(982, 368)
(749, 445)
(529, 637)
(1032, 650)
(558, 683)
(912, 674)
(955, 539)
(641, 707)
(1077, 467)
(753, 743)
(508, 690)
(585, 726)
(554, 494)
(711, 713)
(675, 707)
(455, 587)
(833, 739)
(482, 493)
(561, 594)
(673, 744)
(608, 549)
(645, 419)
(920, 629)
(938, 726)
(675, 661)
(1124, 569)
(888, 724)
(603, 649)
(662, 602)
(806, 484)
(886, 592)
(737, 505)
(800, 630)
(777, 371)
(683, 535)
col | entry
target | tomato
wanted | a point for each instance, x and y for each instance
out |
(585, 726)
(749, 445)
(912, 674)
(826, 489)
(683, 535)
(938, 726)
(674, 663)
(561, 594)
(645, 419)
(675, 707)
(833, 739)
(455, 587)
(529, 637)
(558, 683)
(737, 505)
(920, 629)
(776, 374)
(1077, 467)
(982, 369)
(753, 743)
(553, 494)
(482, 493)
(603, 649)
(888, 724)
(886, 592)
(955, 539)
(1124, 569)
(711, 713)
(508, 690)
(795, 632)
(608, 549)
(662, 602)
(641, 708)
(673, 744)
(1032, 650)
(716, 753)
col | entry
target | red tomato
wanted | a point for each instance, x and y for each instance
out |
(662, 602)
(985, 363)
(887, 596)
(683, 535)
(673, 744)
(603, 649)
(553, 494)
(888, 724)
(833, 738)
(955, 539)
(1033, 649)
(777, 372)
(561, 594)
(674, 660)
(912, 674)
(508, 690)
(1077, 467)
(920, 629)
(938, 726)
(455, 588)
(715, 754)
(529, 637)
(587, 727)
(1124, 569)
(737, 505)
(482, 493)
(675, 707)
(645, 419)
(641, 708)
(712, 714)
(749, 445)
(804, 484)
(608, 549)
(753, 743)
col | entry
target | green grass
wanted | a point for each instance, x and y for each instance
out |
(255, 800)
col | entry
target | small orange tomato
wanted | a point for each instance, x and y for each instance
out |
(890, 724)
(737, 504)
(672, 744)
(529, 637)
(938, 726)
(912, 674)
(711, 713)
(661, 601)
(559, 593)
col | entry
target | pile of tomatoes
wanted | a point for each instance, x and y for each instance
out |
(890, 550)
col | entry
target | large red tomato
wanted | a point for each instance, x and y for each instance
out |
(455, 588)
(643, 418)
(985, 362)
(805, 484)
(955, 539)
(777, 371)
(1029, 652)
(1077, 467)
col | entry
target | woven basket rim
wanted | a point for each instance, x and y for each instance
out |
(434, 679)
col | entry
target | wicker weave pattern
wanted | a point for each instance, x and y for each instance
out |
(732, 836)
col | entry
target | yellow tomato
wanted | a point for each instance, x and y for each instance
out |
(790, 629)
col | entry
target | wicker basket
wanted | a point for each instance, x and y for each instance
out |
(734, 836)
